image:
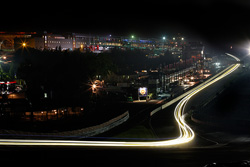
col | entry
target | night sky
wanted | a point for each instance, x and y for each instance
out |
(214, 21)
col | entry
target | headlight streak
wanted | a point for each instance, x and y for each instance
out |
(186, 133)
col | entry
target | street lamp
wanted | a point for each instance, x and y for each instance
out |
(248, 50)
(132, 41)
(163, 38)
(94, 88)
(24, 44)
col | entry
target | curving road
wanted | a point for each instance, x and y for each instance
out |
(186, 133)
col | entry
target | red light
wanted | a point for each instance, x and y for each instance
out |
(12, 82)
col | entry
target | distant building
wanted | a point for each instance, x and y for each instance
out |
(46, 41)
(194, 50)
(70, 41)
(7, 39)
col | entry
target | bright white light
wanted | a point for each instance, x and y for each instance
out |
(236, 58)
(186, 133)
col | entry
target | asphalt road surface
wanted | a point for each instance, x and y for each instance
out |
(178, 155)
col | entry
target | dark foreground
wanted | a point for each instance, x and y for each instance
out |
(195, 157)
(215, 144)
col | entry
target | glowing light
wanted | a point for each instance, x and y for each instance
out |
(143, 91)
(186, 133)
(24, 44)
(94, 88)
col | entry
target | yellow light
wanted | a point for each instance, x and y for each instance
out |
(186, 133)
(24, 44)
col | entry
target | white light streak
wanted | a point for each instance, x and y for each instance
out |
(186, 133)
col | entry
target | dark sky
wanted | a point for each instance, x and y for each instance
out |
(215, 21)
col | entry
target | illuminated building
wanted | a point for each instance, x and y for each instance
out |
(194, 50)
(95, 43)
(7, 39)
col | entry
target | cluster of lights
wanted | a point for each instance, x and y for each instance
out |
(164, 37)
(186, 133)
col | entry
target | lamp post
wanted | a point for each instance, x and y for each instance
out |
(132, 37)
(94, 88)
(248, 50)
(163, 38)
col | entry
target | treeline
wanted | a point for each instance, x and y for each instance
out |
(132, 60)
(63, 75)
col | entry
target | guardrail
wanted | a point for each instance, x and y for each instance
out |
(81, 133)
(186, 93)
(98, 129)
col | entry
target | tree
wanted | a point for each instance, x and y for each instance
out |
(64, 74)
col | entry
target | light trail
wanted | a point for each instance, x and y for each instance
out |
(186, 133)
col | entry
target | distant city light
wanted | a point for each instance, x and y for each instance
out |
(163, 38)
(45, 95)
(186, 133)
(94, 88)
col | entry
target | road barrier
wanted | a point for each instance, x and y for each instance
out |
(188, 92)
(186, 133)
(81, 133)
